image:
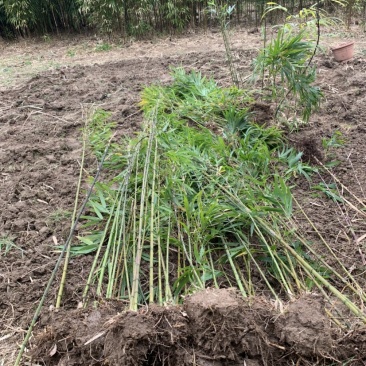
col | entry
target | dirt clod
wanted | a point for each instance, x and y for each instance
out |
(305, 326)
(212, 328)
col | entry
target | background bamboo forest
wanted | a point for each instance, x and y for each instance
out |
(133, 18)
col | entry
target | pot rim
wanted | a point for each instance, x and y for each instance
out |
(343, 45)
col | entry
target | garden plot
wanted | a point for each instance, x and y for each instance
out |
(41, 146)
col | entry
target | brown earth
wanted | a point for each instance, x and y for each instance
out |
(41, 118)
(212, 328)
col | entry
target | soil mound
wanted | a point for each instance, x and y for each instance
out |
(212, 328)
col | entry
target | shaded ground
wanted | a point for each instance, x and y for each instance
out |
(40, 123)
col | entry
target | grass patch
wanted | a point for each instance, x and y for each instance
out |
(103, 47)
(7, 244)
(59, 216)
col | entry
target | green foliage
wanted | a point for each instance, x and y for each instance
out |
(330, 190)
(104, 14)
(40, 16)
(192, 189)
(295, 165)
(223, 12)
(59, 215)
(99, 131)
(336, 140)
(199, 198)
(288, 261)
(129, 18)
(7, 30)
(137, 18)
(20, 13)
(330, 144)
(7, 244)
(200, 100)
(177, 14)
(103, 47)
(305, 19)
(71, 53)
(284, 62)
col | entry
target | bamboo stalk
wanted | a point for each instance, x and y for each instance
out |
(234, 269)
(355, 310)
(141, 229)
(152, 227)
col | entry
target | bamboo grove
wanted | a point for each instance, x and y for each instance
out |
(126, 18)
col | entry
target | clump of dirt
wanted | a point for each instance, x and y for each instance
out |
(155, 336)
(212, 328)
(310, 148)
(152, 336)
(305, 327)
(262, 113)
(226, 328)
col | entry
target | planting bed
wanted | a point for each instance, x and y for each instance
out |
(41, 118)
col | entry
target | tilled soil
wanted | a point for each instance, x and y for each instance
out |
(40, 148)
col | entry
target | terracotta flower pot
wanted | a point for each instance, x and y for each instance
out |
(344, 51)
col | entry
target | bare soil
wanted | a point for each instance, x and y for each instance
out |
(46, 93)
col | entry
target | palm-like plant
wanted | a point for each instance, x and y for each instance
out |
(284, 64)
